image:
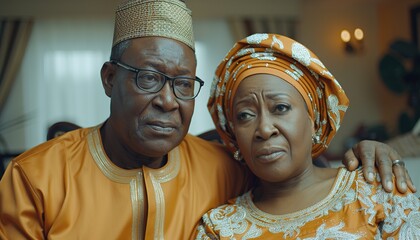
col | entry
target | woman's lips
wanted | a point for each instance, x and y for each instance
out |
(269, 155)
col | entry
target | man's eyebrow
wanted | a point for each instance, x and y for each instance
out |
(162, 68)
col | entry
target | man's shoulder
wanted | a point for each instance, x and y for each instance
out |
(54, 149)
(208, 154)
(208, 149)
(197, 142)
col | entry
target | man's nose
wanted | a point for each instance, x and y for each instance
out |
(166, 99)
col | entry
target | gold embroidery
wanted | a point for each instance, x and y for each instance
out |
(158, 176)
(244, 218)
(344, 181)
(397, 215)
(138, 204)
(170, 170)
(135, 209)
(108, 168)
(133, 177)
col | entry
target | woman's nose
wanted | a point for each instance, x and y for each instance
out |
(266, 128)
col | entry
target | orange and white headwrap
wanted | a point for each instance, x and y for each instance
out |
(283, 57)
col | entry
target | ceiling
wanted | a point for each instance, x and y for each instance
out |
(105, 8)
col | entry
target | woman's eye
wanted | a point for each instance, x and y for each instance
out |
(282, 107)
(244, 115)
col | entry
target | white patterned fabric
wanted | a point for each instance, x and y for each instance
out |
(353, 209)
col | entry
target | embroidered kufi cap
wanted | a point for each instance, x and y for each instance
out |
(153, 18)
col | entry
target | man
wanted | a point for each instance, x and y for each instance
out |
(138, 175)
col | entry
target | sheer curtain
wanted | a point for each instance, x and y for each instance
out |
(61, 75)
(213, 40)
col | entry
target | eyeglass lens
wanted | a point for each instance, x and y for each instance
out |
(153, 82)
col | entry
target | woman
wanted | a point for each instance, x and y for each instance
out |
(277, 107)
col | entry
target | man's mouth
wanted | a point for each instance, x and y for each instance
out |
(162, 127)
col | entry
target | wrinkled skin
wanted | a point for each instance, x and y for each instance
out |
(369, 152)
(144, 127)
(274, 134)
(273, 128)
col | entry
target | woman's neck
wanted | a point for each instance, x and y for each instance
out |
(297, 193)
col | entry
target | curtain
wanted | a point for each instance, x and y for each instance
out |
(14, 36)
(245, 26)
(60, 78)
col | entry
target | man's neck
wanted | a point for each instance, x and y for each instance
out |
(123, 157)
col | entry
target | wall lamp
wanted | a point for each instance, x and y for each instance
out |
(355, 44)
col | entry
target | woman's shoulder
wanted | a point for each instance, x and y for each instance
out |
(221, 221)
(375, 193)
(228, 210)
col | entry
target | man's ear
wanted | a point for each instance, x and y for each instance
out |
(108, 77)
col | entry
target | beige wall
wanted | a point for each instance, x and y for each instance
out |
(58, 8)
(201, 8)
(393, 17)
(321, 22)
(320, 28)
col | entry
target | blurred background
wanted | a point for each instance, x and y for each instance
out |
(51, 52)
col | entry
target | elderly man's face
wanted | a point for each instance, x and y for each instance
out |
(151, 124)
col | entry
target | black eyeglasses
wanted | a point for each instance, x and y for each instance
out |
(152, 81)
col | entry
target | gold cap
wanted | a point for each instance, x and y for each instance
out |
(153, 18)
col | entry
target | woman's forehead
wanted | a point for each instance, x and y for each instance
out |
(270, 87)
(269, 84)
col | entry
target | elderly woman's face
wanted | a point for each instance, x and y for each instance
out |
(272, 127)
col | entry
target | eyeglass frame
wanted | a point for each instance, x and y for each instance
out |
(166, 77)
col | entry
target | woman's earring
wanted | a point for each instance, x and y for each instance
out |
(237, 155)
(315, 139)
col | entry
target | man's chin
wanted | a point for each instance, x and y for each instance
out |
(162, 131)
(162, 145)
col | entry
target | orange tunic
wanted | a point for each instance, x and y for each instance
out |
(353, 209)
(67, 188)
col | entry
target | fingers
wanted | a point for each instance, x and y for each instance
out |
(410, 182)
(371, 153)
(400, 174)
(366, 153)
(350, 160)
(384, 157)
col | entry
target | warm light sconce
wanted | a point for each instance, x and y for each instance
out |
(352, 45)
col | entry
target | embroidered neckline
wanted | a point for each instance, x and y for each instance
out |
(120, 175)
(342, 184)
